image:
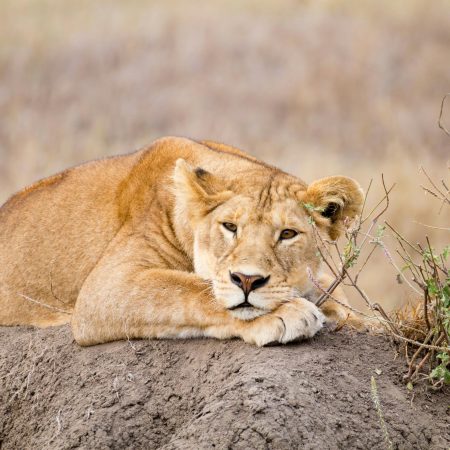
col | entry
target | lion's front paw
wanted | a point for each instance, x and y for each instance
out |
(297, 319)
(302, 319)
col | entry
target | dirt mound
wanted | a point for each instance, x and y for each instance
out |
(203, 394)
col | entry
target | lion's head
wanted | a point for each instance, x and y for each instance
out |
(252, 236)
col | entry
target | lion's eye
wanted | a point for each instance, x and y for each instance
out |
(288, 234)
(230, 226)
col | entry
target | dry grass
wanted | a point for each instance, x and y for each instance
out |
(317, 88)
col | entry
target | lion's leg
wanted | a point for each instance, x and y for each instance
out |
(127, 302)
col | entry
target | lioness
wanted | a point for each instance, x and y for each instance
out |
(181, 239)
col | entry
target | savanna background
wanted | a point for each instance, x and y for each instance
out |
(317, 87)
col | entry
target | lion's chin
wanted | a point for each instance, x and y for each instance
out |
(248, 313)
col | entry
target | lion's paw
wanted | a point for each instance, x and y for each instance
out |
(302, 319)
(297, 319)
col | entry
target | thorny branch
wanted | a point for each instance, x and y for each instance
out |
(441, 125)
(427, 327)
(436, 191)
(44, 305)
(356, 239)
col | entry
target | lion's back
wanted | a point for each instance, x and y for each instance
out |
(51, 235)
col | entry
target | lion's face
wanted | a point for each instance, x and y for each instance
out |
(253, 240)
(256, 257)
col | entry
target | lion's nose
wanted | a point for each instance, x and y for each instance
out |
(248, 283)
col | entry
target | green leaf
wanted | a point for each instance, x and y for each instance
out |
(441, 373)
(444, 357)
(380, 231)
(437, 373)
(405, 267)
(311, 208)
(447, 377)
(432, 287)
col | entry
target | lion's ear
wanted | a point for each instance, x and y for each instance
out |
(332, 200)
(197, 192)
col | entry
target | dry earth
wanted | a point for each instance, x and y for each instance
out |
(205, 394)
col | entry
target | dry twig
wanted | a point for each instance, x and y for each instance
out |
(440, 124)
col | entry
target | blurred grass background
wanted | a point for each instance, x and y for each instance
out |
(316, 87)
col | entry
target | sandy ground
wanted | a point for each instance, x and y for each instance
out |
(206, 394)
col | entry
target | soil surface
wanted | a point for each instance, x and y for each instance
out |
(206, 394)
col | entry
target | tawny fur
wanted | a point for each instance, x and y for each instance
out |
(134, 247)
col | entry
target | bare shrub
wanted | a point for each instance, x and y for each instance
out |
(421, 329)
